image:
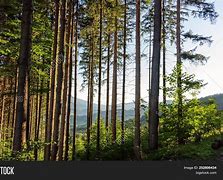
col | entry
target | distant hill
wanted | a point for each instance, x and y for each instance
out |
(218, 99)
(82, 107)
(129, 109)
(82, 111)
(82, 119)
(128, 106)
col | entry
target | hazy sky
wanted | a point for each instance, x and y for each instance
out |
(211, 72)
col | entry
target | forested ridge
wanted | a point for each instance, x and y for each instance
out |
(48, 48)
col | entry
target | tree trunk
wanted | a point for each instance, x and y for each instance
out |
(88, 113)
(70, 87)
(25, 54)
(14, 104)
(52, 85)
(75, 84)
(57, 109)
(99, 82)
(137, 84)
(90, 98)
(39, 118)
(164, 55)
(1, 95)
(114, 82)
(27, 112)
(179, 74)
(9, 109)
(47, 113)
(150, 58)
(32, 107)
(36, 118)
(92, 82)
(154, 96)
(65, 86)
(123, 78)
(2, 109)
(108, 78)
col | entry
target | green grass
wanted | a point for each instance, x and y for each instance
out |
(190, 151)
(167, 151)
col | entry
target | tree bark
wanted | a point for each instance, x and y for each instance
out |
(88, 111)
(75, 82)
(9, 108)
(32, 107)
(27, 112)
(154, 96)
(179, 75)
(38, 121)
(108, 85)
(14, 103)
(65, 86)
(47, 113)
(67, 136)
(99, 82)
(52, 85)
(57, 109)
(123, 77)
(92, 81)
(164, 55)
(3, 96)
(114, 82)
(25, 54)
(137, 84)
(150, 59)
(91, 94)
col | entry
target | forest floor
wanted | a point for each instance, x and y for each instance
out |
(190, 151)
(167, 152)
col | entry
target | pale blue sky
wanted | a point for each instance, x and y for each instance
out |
(211, 72)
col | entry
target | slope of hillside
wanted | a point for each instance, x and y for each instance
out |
(129, 109)
(218, 99)
(82, 107)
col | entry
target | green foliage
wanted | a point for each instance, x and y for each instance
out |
(203, 119)
(190, 151)
(199, 121)
(108, 150)
(190, 86)
(194, 58)
(202, 9)
(9, 38)
(6, 153)
(208, 128)
(197, 38)
(5, 150)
